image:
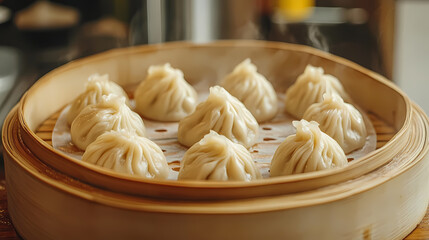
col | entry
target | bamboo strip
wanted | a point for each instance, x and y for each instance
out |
(127, 66)
(381, 196)
(385, 204)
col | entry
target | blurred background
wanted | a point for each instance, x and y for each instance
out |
(387, 36)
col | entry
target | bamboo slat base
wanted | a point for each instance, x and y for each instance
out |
(383, 130)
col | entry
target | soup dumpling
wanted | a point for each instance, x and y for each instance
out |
(126, 152)
(217, 158)
(223, 114)
(165, 95)
(253, 90)
(111, 113)
(309, 88)
(97, 86)
(340, 120)
(306, 151)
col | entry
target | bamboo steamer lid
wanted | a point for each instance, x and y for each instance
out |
(382, 195)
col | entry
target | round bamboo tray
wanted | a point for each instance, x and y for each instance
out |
(382, 195)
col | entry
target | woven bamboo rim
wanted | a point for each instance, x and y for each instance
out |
(371, 91)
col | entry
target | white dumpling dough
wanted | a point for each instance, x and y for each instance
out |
(217, 158)
(223, 114)
(340, 120)
(308, 150)
(309, 88)
(165, 95)
(252, 89)
(111, 113)
(125, 152)
(97, 86)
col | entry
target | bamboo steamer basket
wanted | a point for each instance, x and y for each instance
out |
(382, 195)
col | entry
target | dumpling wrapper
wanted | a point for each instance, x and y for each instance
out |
(223, 114)
(309, 88)
(111, 113)
(165, 95)
(97, 86)
(217, 158)
(125, 152)
(340, 120)
(253, 90)
(306, 151)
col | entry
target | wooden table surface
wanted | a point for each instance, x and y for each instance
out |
(7, 231)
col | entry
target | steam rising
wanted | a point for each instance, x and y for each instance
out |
(317, 39)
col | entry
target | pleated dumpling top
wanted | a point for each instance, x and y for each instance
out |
(340, 120)
(165, 95)
(223, 114)
(309, 88)
(306, 151)
(111, 113)
(217, 158)
(253, 90)
(126, 152)
(97, 86)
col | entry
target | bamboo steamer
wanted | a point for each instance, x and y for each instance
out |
(382, 195)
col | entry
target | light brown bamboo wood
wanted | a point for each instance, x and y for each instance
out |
(281, 63)
(383, 195)
(384, 204)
